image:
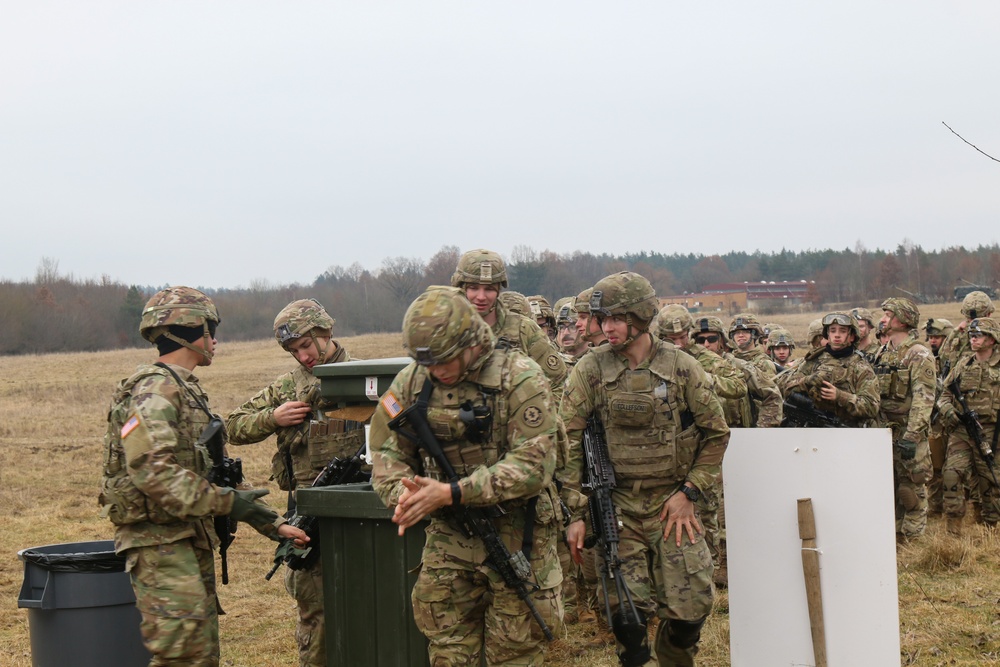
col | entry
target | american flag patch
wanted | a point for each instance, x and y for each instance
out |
(130, 425)
(391, 405)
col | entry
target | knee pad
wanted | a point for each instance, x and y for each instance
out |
(950, 481)
(907, 497)
(631, 634)
(684, 634)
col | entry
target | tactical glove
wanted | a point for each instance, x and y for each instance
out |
(907, 450)
(245, 509)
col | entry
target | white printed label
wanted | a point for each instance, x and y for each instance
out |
(371, 388)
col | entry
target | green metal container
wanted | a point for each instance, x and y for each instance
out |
(368, 573)
(358, 382)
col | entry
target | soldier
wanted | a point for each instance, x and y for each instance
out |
(905, 370)
(568, 337)
(481, 274)
(515, 302)
(956, 344)
(867, 344)
(780, 345)
(666, 436)
(588, 327)
(835, 377)
(307, 440)
(969, 465)
(545, 318)
(507, 462)
(154, 487)
(673, 323)
(937, 329)
(744, 332)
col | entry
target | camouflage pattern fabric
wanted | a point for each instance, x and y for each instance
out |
(674, 390)
(758, 358)
(906, 388)
(515, 302)
(460, 604)
(307, 448)
(964, 468)
(857, 388)
(518, 332)
(762, 407)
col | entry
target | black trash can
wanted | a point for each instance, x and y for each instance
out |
(368, 573)
(81, 608)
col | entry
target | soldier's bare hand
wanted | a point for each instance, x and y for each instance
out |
(291, 413)
(828, 391)
(575, 533)
(678, 512)
(421, 497)
(287, 530)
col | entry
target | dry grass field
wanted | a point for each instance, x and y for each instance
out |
(52, 420)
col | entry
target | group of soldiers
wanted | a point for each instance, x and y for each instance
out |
(487, 425)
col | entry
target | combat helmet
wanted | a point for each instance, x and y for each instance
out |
(746, 322)
(565, 313)
(860, 314)
(711, 324)
(842, 318)
(440, 324)
(938, 326)
(480, 267)
(515, 302)
(299, 318)
(977, 304)
(985, 325)
(780, 337)
(540, 307)
(582, 302)
(905, 310)
(814, 331)
(179, 307)
(629, 294)
(673, 320)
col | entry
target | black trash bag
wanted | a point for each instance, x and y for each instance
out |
(91, 561)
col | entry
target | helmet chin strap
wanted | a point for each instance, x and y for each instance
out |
(206, 338)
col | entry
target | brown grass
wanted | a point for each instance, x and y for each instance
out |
(52, 421)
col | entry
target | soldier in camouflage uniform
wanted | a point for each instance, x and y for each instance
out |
(673, 323)
(544, 316)
(905, 370)
(780, 345)
(459, 603)
(666, 436)
(835, 377)
(570, 341)
(588, 327)
(867, 344)
(745, 332)
(761, 407)
(307, 440)
(481, 274)
(515, 302)
(956, 344)
(937, 330)
(154, 487)
(967, 465)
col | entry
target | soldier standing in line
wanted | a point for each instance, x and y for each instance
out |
(504, 460)
(867, 344)
(544, 316)
(292, 407)
(969, 465)
(835, 377)
(975, 305)
(937, 329)
(744, 332)
(570, 341)
(905, 370)
(666, 435)
(588, 327)
(154, 487)
(481, 274)
(780, 345)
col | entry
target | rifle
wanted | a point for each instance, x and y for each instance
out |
(338, 471)
(970, 420)
(801, 412)
(514, 569)
(629, 625)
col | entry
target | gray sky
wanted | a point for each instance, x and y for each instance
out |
(222, 143)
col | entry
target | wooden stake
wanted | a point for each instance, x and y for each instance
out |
(810, 568)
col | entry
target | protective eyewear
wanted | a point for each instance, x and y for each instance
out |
(838, 318)
(709, 338)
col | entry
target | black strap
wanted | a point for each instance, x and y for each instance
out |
(529, 527)
(196, 397)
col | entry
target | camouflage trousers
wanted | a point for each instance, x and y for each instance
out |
(570, 572)
(465, 609)
(174, 588)
(712, 515)
(938, 446)
(910, 478)
(674, 583)
(306, 586)
(965, 469)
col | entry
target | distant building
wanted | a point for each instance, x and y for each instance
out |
(760, 297)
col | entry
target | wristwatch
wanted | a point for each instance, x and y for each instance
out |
(692, 492)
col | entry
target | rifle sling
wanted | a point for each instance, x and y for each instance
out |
(197, 399)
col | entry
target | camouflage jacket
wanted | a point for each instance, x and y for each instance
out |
(727, 380)
(954, 347)
(762, 407)
(514, 331)
(507, 465)
(857, 388)
(307, 447)
(979, 382)
(758, 358)
(663, 422)
(154, 485)
(906, 376)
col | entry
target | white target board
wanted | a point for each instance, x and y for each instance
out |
(848, 475)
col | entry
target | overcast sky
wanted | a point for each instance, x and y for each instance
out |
(223, 143)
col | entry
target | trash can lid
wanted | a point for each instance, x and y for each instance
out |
(55, 558)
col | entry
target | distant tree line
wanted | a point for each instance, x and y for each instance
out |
(55, 313)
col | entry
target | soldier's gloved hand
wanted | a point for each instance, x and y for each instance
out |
(907, 450)
(245, 509)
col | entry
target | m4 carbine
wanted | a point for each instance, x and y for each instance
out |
(800, 411)
(514, 569)
(338, 471)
